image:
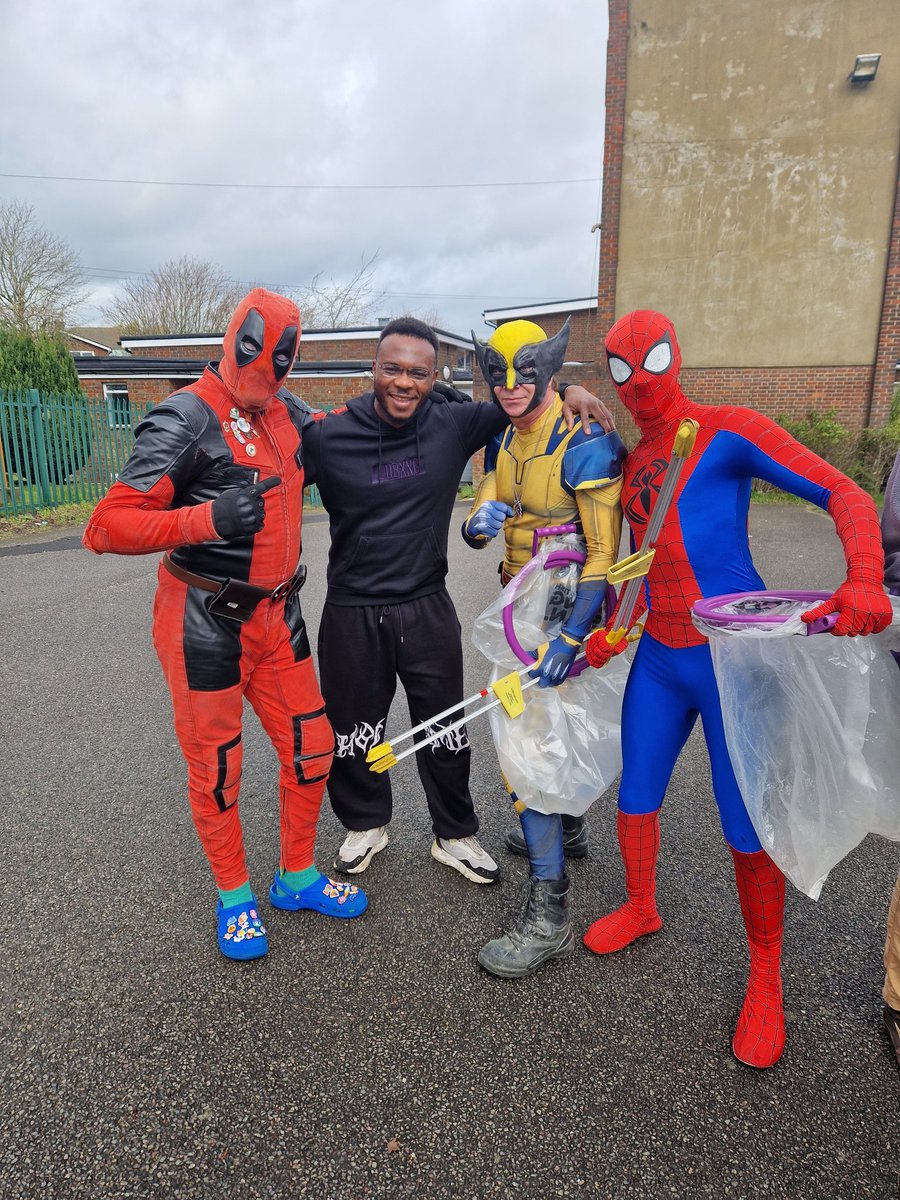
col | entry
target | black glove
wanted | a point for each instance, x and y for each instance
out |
(240, 511)
(451, 394)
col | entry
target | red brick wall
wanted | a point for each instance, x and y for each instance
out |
(198, 351)
(344, 350)
(884, 376)
(776, 391)
(77, 346)
(318, 392)
(143, 393)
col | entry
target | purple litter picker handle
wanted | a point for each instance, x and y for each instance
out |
(763, 608)
(550, 531)
(823, 624)
(559, 558)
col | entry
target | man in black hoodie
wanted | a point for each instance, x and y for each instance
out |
(388, 469)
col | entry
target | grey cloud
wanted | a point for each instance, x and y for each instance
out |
(400, 92)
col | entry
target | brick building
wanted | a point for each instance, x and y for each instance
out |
(333, 365)
(750, 192)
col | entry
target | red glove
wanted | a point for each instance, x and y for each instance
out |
(863, 607)
(597, 649)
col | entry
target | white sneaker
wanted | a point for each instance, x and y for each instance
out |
(358, 848)
(467, 856)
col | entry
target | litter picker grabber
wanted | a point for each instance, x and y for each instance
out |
(509, 690)
(506, 691)
(634, 568)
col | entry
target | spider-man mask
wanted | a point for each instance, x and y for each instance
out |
(260, 346)
(644, 360)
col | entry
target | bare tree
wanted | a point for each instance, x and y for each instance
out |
(40, 276)
(429, 313)
(185, 295)
(335, 305)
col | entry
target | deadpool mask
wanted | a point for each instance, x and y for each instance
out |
(260, 347)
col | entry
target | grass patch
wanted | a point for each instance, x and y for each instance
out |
(47, 518)
(775, 497)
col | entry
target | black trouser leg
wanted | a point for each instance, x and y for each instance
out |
(357, 670)
(430, 664)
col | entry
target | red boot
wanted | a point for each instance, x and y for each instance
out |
(639, 843)
(759, 1037)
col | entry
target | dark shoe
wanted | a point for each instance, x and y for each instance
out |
(575, 839)
(543, 931)
(891, 1018)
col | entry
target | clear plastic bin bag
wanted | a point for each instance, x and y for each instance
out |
(813, 730)
(566, 748)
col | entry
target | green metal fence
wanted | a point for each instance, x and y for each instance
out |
(65, 449)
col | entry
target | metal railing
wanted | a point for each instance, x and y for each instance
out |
(58, 450)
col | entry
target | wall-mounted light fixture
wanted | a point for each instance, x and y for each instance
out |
(865, 69)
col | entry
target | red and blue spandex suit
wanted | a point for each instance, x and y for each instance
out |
(703, 550)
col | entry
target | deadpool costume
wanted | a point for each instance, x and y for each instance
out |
(216, 481)
(703, 550)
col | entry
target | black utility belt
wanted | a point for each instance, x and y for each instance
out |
(231, 597)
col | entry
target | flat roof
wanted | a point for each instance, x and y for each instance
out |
(358, 333)
(517, 311)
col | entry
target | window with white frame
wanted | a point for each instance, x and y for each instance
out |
(118, 406)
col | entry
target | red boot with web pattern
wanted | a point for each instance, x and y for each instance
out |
(639, 843)
(759, 1037)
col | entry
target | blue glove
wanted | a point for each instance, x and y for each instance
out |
(556, 663)
(487, 520)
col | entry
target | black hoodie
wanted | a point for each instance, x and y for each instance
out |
(390, 493)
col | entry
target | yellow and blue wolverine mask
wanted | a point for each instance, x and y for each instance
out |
(520, 352)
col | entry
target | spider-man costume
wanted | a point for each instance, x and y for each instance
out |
(703, 550)
(190, 487)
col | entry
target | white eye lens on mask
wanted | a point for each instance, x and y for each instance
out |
(619, 369)
(659, 359)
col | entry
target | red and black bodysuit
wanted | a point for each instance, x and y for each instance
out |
(231, 429)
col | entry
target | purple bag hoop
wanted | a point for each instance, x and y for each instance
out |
(710, 608)
(557, 558)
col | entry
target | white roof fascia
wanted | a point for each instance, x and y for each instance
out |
(76, 337)
(535, 310)
(338, 335)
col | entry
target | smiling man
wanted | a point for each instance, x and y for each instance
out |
(388, 469)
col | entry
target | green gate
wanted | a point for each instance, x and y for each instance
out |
(65, 449)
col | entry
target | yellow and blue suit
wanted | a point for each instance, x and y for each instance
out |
(550, 476)
(558, 478)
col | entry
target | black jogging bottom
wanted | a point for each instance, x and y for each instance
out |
(363, 650)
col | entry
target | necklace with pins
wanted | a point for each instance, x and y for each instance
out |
(519, 488)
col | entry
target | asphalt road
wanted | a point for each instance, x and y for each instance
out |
(373, 1058)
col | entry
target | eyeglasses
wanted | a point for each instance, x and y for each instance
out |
(395, 371)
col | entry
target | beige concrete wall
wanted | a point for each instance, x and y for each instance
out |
(758, 184)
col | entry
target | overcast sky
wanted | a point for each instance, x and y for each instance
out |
(291, 93)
